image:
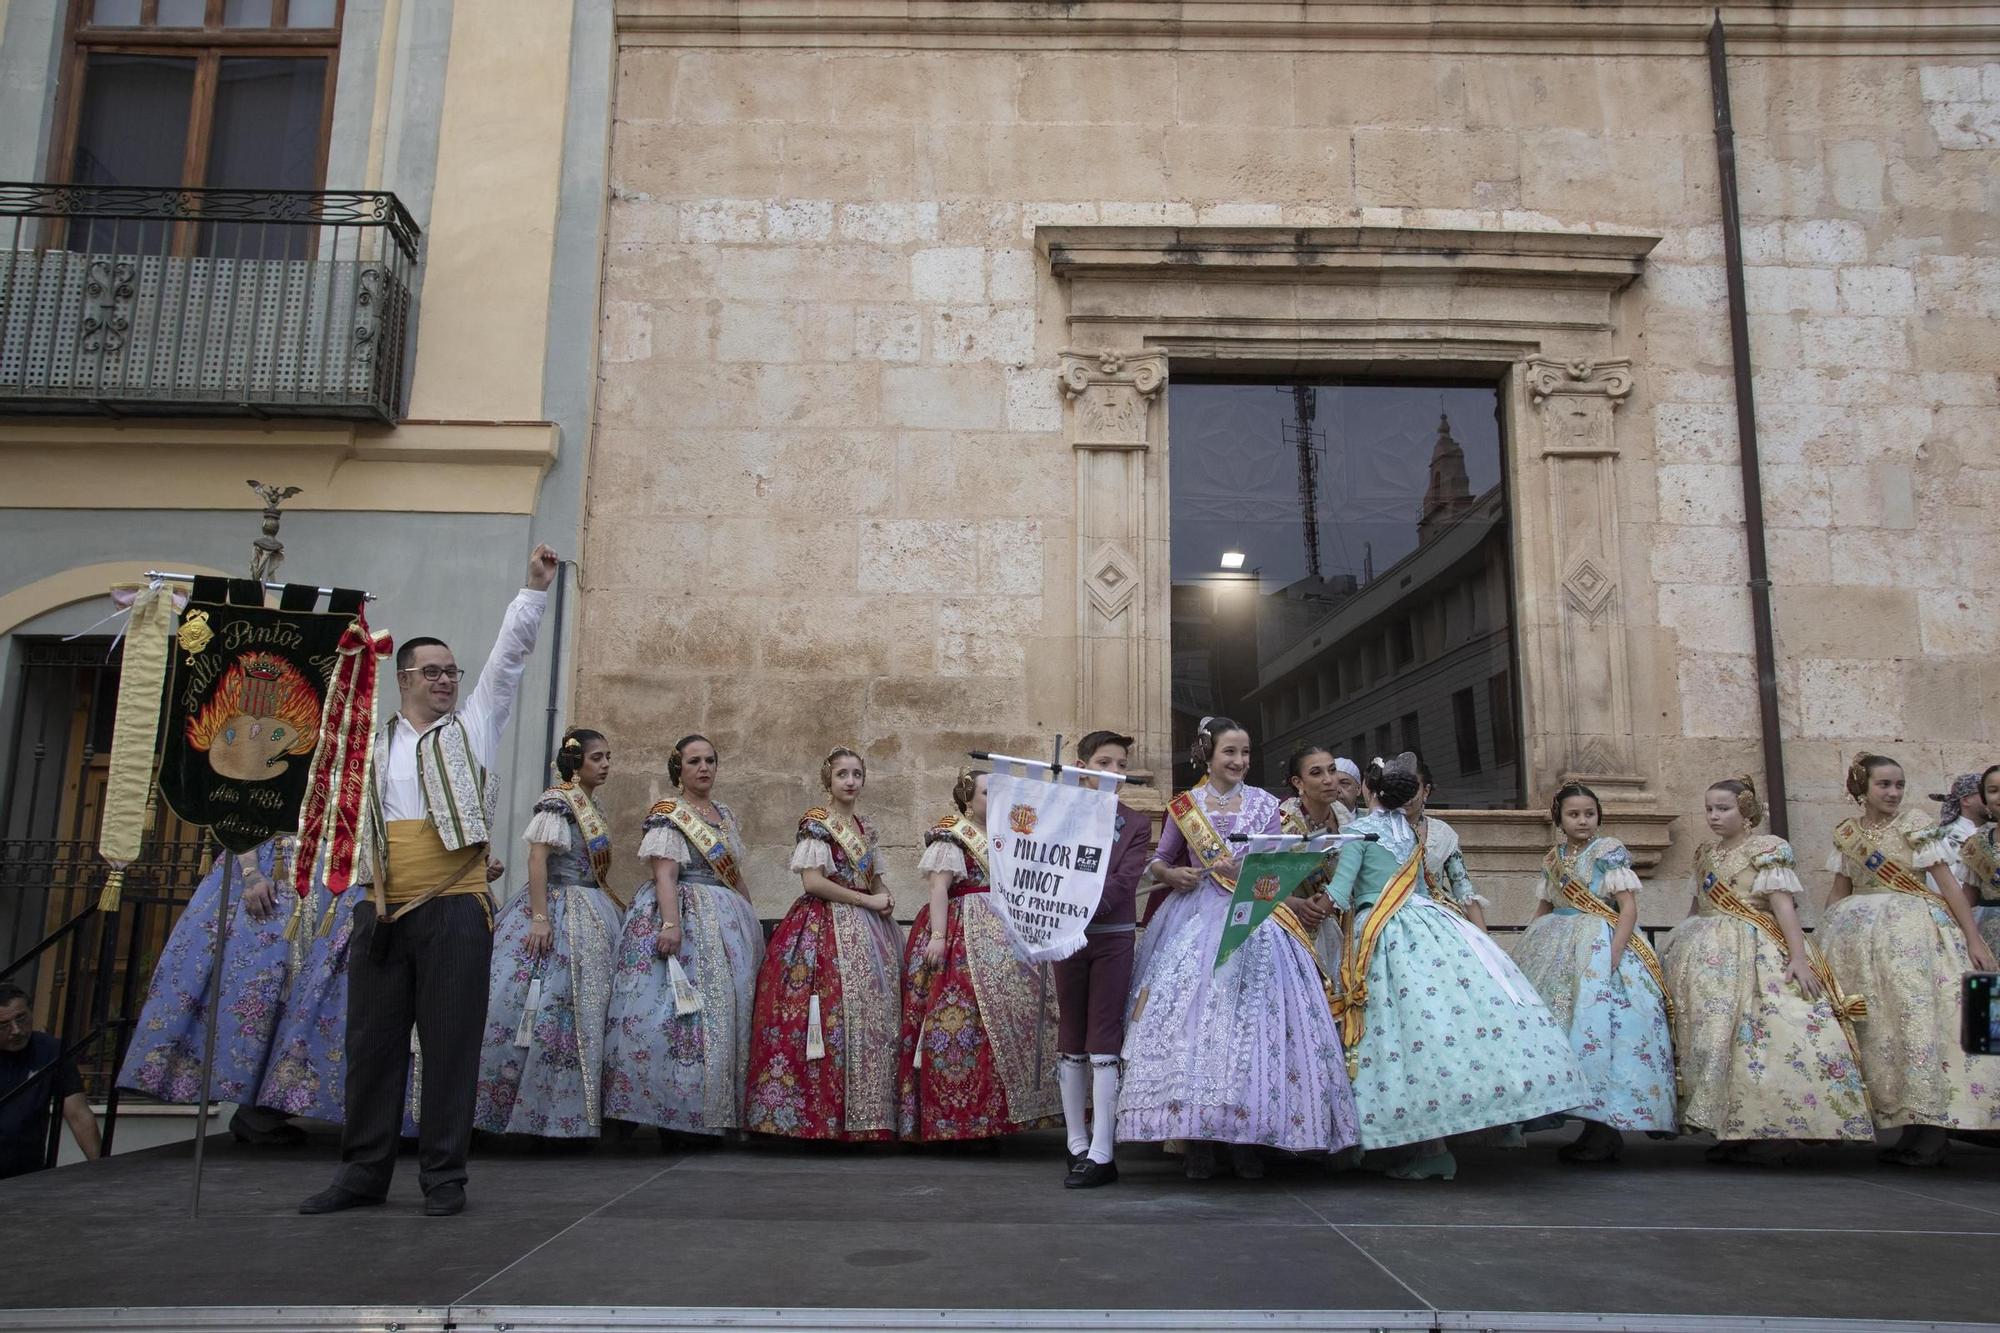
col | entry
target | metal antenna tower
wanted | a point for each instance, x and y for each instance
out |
(1308, 440)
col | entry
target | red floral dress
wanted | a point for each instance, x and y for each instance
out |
(973, 1016)
(840, 962)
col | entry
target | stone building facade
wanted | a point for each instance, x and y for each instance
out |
(892, 295)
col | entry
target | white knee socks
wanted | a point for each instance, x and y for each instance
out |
(1104, 1103)
(1070, 1071)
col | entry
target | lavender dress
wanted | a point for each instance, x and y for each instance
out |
(165, 1056)
(307, 1072)
(1244, 1053)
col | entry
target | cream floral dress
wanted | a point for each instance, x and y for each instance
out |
(1758, 1060)
(1904, 955)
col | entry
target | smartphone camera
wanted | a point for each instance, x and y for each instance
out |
(1981, 1009)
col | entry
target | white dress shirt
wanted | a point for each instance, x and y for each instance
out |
(1954, 838)
(485, 711)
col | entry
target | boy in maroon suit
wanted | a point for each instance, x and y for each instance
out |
(1093, 984)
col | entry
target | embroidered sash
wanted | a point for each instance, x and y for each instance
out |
(1583, 900)
(1982, 866)
(1724, 900)
(967, 835)
(1858, 845)
(596, 835)
(852, 845)
(1203, 841)
(459, 794)
(1350, 1005)
(703, 838)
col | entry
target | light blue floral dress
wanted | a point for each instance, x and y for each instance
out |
(1454, 1038)
(550, 1088)
(165, 1056)
(684, 1072)
(1617, 1021)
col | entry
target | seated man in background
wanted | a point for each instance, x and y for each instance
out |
(31, 1057)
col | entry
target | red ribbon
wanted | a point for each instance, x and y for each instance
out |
(337, 785)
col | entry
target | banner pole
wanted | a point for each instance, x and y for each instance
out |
(214, 1013)
(1042, 971)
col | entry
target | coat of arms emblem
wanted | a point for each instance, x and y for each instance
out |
(1022, 819)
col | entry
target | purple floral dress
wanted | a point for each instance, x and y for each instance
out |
(165, 1056)
(307, 1072)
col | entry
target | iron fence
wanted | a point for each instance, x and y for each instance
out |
(263, 303)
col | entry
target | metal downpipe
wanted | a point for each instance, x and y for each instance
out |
(1746, 437)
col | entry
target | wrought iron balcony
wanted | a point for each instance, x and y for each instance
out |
(127, 301)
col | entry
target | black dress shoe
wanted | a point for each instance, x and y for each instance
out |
(264, 1127)
(338, 1199)
(1077, 1160)
(446, 1200)
(1092, 1174)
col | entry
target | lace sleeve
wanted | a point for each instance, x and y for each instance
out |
(664, 842)
(1928, 846)
(550, 826)
(943, 857)
(812, 854)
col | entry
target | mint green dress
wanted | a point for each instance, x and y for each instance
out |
(1454, 1037)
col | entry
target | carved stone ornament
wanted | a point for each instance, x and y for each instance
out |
(1110, 396)
(1600, 379)
(1111, 579)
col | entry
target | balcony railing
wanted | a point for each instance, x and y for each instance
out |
(124, 301)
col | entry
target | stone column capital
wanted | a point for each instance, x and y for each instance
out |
(1609, 379)
(1110, 394)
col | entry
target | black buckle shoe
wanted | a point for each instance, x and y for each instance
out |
(446, 1200)
(1091, 1174)
(338, 1199)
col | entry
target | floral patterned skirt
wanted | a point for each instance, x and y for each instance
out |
(1758, 1060)
(307, 1074)
(164, 1058)
(1987, 918)
(975, 1017)
(683, 1071)
(1904, 957)
(551, 1088)
(1617, 1020)
(1243, 1053)
(1448, 1046)
(846, 958)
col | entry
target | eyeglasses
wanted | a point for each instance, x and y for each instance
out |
(18, 1023)
(434, 674)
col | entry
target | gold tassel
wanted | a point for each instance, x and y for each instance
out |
(326, 922)
(298, 915)
(114, 885)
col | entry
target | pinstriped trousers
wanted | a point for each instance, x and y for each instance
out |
(433, 976)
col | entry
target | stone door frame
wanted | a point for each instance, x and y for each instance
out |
(1535, 313)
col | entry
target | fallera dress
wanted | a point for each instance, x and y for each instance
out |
(550, 1087)
(164, 1058)
(1758, 1060)
(1244, 1053)
(1454, 1038)
(1616, 1018)
(685, 1071)
(829, 1001)
(307, 1073)
(1979, 871)
(967, 1064)
(1901, 952)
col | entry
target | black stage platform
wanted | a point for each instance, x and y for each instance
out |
(772, 1236)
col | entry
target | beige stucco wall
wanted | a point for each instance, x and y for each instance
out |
(832, 498)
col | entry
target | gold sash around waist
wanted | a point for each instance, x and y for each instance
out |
(420, 867)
